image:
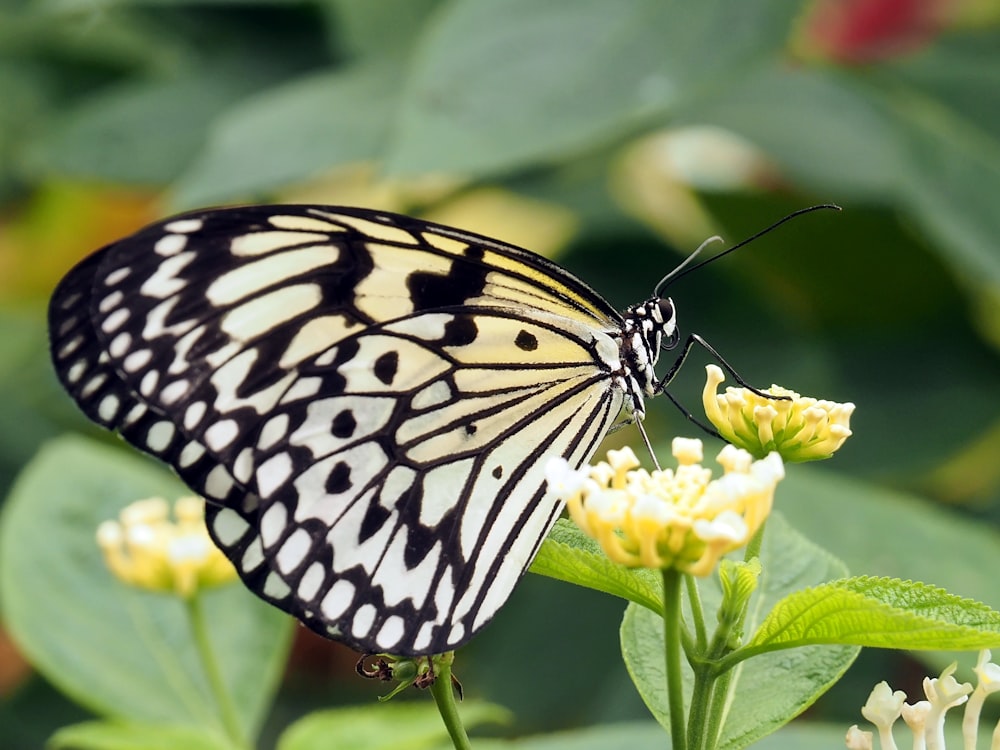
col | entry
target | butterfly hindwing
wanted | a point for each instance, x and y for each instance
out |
(369, 399)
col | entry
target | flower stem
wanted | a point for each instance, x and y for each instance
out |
(444, 696)
(224, 701)
(672, 656)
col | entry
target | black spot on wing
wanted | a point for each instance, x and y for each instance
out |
(463, 281)
(386, 366)
(460, 331)
(339, 479)
(497, 472)
(526, 341)
(344, 424)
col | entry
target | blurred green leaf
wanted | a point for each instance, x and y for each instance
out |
(143, 132)
(122, 652)
(499, 84)
(622, 736)
(106, 735)
(569, 555)
(885, 533)
(382, 29)
(768, 690)
(293, 132)
(387, 726)
(821, 130)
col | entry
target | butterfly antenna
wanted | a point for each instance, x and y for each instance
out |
(685, 268)
(686, 262)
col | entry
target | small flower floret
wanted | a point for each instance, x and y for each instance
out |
(800, 428)
(147, 549)
(926, 718)
(678, 518)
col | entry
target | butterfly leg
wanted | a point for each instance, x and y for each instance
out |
(693, 339)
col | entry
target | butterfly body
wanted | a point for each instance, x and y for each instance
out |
(367, 401)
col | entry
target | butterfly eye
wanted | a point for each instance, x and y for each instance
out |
(666, 306)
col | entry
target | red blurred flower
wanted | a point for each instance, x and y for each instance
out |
(861, 31)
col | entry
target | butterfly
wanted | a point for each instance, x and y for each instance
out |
(367, 401)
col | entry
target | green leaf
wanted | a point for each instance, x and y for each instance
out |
(823, 132)
(387, 726)
(880, 613)
(499, 84)
(121, 652)
(567, 554)
(294, 132)
(142, 133)
(768, 690)
(106, 735)
(883, 532)
(633, 735)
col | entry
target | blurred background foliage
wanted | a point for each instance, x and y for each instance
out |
(614, 136)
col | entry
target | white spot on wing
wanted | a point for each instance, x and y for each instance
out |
(221, 434)
(274, 430)
(137, 360)
(147, 386)
(260, 315)
(442, 485)
(250, 278)
(261, 243)
(302, 223)
(311, 581)
(218, 482)
(273, 473)
(111, 301)
(364, 618)
(193, 414)
(190, 453)
(164, 282)
(115, 320)
(338, 599)
(159, 436)
(229, 527)
(275, 587)
(391, 632)
(184, 226)
(293, 551)
(273, 524)
(120, 344)
(253, 557)
(108, 407)
(170, 244)
(119, 274)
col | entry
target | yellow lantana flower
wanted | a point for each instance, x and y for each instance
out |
(145, 548)
(800, 428)
(678, 518)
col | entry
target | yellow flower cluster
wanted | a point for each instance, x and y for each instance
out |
(145, 548)
(672, 518)
(800, 428)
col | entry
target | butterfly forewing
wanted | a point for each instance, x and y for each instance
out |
(369, 399)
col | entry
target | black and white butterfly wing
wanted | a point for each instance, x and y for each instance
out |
(368, 399)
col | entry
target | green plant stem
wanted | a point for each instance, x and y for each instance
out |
(224, 701)
(720, 692)
(672, 656)
(697, 613)
(444, 696)
(699, 717)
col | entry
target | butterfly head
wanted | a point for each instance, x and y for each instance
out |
(650, 327)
